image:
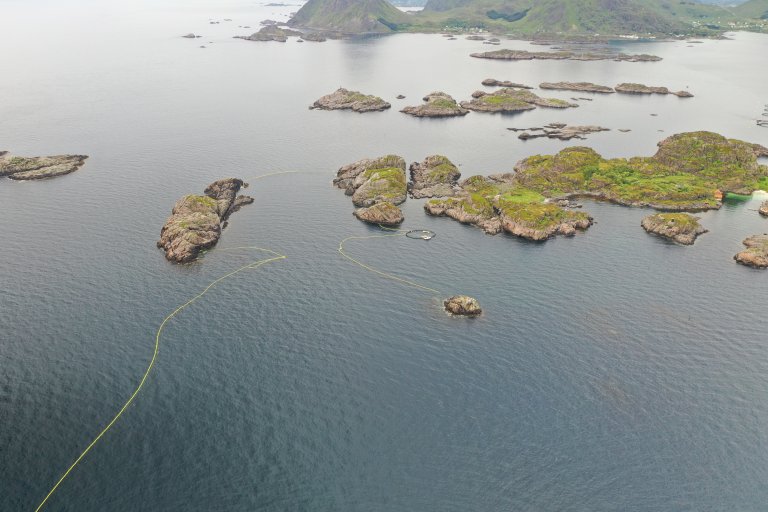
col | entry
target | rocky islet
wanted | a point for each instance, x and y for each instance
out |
(196, 221)
(39, 167)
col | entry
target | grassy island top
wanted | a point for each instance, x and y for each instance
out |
(684, 174)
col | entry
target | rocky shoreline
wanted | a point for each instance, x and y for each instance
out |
(678, 227)
(756, 253)
(39, 167)
(196, 222)
(344, 99)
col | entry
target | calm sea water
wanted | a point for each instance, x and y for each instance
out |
(611, 371)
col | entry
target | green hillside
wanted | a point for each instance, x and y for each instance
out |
(756, 9)
(349, 16)
(579, 17)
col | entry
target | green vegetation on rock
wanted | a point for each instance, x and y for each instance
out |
(685, 174)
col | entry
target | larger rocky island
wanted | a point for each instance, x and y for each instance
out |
(39, 167)
(196, 222)
(507, 54)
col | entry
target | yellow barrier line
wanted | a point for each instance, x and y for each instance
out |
(252, 265)
(398, 232)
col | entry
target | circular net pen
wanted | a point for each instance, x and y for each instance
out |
(421, 234)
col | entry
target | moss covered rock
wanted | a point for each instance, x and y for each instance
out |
(497, 204)
(688, 172)
(508, 100)
(436, 104)
(196, 221)
(436, 176)
(678, 227)
(462, 305)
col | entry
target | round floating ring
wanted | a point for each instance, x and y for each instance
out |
(421, 234)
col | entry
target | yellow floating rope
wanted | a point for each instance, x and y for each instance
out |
(252, 265)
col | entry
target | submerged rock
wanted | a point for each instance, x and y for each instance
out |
(462, 305)
(438, 104)
(39, 167)
(679, 227)
(577, 86)
(436, 176)
(196, 221)
(630, 88)
(343, 99)
(384, 213)
(756, 253)
(512, 100)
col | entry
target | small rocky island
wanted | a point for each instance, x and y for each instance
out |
(343, 99)
(38, 167)
(763, 210)
(377, 186)
(437, 104)
(510, 100)
(271, 33)
(678, 227)
(629, 88)
(559, 131)
(196, 221)
(492, 82)
(756, 252)
(436, 176)
(462, 305)
(507, 54)
(577, 86)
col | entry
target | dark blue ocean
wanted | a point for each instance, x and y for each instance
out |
(612, 371)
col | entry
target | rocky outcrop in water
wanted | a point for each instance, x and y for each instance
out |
(496, 204)
(756, 253)
(271, 33)
(462, 305)
(507, 54)
(437, 104)
(559, 131)
(492, 82)
(196, 221)
(509, 100)
(577, 86)
(763, 210)
(39, 167)
(436, 176)
(383, 213)
(376, 185)
(343, 99)
(678, 227)
(629, 88)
